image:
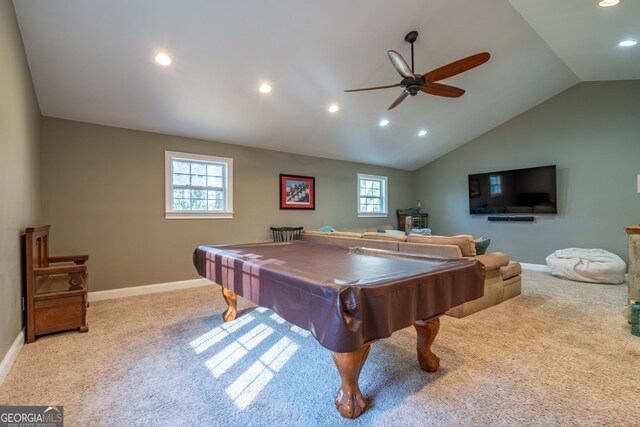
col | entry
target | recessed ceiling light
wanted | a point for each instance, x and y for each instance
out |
(265, 88)
(383, 122)
(627, 43)
(422, 132)
(608, 3)
(163, 59)
(333, 108)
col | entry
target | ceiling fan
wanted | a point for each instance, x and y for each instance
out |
(413, 83)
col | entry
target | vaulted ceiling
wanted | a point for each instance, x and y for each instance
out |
(93, 61)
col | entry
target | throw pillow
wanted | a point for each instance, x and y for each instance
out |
(327, 229)
(481, 245)
(421, 231)
(381, 230)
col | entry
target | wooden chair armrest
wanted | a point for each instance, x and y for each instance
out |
(60, 269)
(78, 259)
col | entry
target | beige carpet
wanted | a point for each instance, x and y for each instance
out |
(560, 354)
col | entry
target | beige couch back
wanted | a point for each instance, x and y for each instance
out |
(332, 239)
(464, 241)
(448, 251)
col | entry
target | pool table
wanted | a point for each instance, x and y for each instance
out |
(348, 298)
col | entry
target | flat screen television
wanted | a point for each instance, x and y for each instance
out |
(518, 191)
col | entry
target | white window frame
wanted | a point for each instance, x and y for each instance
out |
(169, 156)
(495, 185)
(385, 196)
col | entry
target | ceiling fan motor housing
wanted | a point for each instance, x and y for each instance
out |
(413, 85)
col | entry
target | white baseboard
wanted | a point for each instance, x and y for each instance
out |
(535, 267)
(10, 357)
(147, 289)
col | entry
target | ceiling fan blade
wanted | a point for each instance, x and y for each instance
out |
(400, 64)
(372, 88)
(398, 101)
(443, 90)
(457, 67)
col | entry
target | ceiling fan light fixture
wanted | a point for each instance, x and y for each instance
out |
(383, 123)
(627, 43)
(422, 132)
(608, 3)
(163, 59)
(264, 88)
(333, 108)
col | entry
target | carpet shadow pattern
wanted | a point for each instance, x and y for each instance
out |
(559, 354)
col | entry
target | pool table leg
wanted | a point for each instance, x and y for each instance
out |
(232, 304)
(427, 331)
(349, 400)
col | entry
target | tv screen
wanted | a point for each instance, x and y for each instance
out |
(518, 191)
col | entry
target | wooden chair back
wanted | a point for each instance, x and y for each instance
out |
(37, 251)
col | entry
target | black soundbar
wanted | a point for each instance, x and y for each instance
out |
(511, 218)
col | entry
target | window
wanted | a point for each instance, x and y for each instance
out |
(372, 195)
(198, 186)
(495, 186)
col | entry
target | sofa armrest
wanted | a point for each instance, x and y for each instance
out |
(493, 260)
(512, 270)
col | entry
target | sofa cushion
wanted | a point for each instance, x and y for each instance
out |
(464, 242)
(383, 236)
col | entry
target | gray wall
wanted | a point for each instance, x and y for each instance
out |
(591, 132)
(19, 166)
(103, 194)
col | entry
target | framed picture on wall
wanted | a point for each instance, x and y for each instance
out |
(297, 192)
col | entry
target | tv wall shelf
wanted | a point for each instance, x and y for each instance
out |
(511, 218)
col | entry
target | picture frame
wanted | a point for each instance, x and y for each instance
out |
(297, 192)
(474, 188)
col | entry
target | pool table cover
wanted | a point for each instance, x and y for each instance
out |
(343, 296)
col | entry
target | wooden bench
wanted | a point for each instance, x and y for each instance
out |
(56, 295)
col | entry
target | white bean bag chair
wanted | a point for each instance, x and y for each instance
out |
(587, 265)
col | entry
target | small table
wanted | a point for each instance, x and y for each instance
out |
(348, 298)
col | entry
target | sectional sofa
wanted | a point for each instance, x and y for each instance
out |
(502, 277)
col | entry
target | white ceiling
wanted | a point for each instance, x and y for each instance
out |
(586, 36)
(92, 61)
